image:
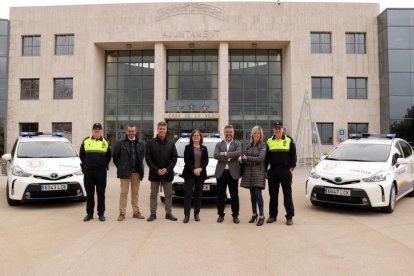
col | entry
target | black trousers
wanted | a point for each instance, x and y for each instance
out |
(191, 184)
(92, 179)
(233, 184)
(276, 177)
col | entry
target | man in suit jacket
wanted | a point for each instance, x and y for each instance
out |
(227, 152)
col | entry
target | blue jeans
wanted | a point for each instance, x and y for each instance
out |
(257, 200)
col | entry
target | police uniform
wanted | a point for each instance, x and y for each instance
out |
(95, 155)
(281, 155)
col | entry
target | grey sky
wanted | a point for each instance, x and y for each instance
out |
(6, 4)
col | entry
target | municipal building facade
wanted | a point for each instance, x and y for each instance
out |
(193, 65)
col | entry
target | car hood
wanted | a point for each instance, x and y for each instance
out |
(348, 170)
(211, 167)
(49, 165)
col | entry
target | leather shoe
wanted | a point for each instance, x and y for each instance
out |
(186, 219)
(170, 217)
(88, 218)
(102, 218)
(271, 220)
(236, 220)
(260, 221)
(196, 217)
(138, 216)
(289, 221)
(220, 219)
(121, 217)
(152, 217)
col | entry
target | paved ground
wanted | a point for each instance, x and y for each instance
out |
(52, 239)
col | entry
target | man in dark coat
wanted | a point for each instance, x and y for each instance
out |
(128, 158)
(161, 156)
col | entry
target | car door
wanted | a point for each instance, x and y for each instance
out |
(408, 154)
(401, 171)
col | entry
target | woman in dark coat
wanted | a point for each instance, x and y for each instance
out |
(254, 173)
(194, 173)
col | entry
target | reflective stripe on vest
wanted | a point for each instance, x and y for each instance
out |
(92, 145)
(279, 145)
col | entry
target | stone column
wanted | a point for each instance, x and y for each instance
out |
(160, 82)
(223, 85)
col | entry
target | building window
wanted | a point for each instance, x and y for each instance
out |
(355, 128)
(29, 127)
(356, 43)
(192, 81)
(255, 90)
(129, 93)
(64, 44)
(325, 133)
(321, 42)
(63, 88)
(29, 89)
(65, 128)
(321, 87)
(31, 45)
(357, 88)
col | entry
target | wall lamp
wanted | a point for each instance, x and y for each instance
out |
(191, 45)
(128, 45)
(254, 45)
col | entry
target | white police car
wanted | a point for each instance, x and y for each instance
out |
(367, 170)
(43, 167)
(210, 184)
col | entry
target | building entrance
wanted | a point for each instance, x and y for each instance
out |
(177, 127)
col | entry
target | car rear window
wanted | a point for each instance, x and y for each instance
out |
(210, 148)
(360, 152)
(46, 149)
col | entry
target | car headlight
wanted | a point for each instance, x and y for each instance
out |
(313, 174)
(78, 172)
(379, 176)
(17, 171)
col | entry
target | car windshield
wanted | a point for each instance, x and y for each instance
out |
(46, 149)
(360, 152)
(210, 148)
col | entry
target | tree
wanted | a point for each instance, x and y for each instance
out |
(405, 128)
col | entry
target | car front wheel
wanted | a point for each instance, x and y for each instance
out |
(10, 201)
(391, 206)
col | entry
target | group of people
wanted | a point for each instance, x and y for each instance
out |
(273, 159)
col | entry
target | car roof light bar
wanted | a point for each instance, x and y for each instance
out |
(207, 134)
(38, 133)
(367, 135)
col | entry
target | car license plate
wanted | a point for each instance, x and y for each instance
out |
(206, 187)
(340, 192)
(54, 187)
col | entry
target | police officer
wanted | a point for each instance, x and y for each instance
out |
(281, 155)
(95, 154)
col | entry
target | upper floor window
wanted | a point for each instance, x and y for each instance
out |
(321, 87)
(321, 42)
(357, 88)
(64, 44)
(29, 89)
(356, 43)
(31, 45)
(63, 88)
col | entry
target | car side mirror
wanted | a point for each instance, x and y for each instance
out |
(323, 157)
(394, 158)
(7, 157)
(402, 161)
